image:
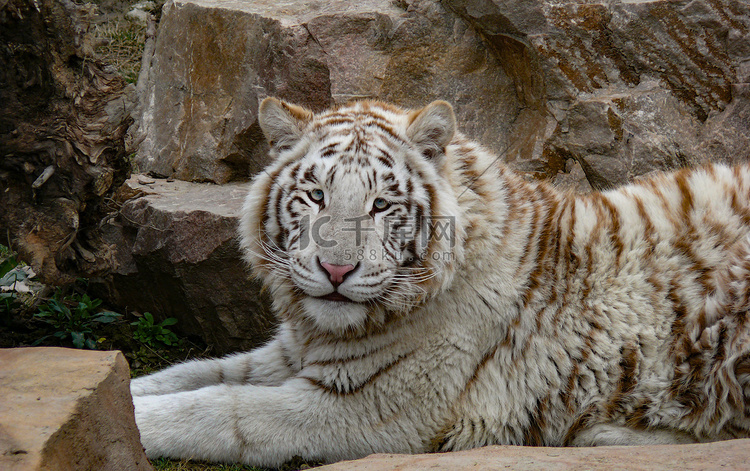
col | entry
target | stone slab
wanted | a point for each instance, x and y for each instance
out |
(731, 454)
(66, 409)
(175, 254)
(215, 60)
(621, 88)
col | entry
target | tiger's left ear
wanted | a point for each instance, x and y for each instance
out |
(432, 128)
(282, 123)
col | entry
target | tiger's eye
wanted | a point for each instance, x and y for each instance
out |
(316, 195)
(380, 204)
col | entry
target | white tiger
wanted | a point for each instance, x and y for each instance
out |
(430, 299)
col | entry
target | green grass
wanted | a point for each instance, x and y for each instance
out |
(120, 44)
(163, 464)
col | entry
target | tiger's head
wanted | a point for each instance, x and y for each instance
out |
(355, 220)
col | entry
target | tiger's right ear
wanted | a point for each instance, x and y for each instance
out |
(282, 123)
(432, 128)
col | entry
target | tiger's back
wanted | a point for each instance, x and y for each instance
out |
(431, 299)
(630, 311)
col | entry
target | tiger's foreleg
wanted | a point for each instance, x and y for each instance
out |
(267, 426)
(268, 365)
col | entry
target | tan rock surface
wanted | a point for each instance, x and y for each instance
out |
(64, 409)
(215, 60)
(621, 87)
(628, 86)
(732, 454)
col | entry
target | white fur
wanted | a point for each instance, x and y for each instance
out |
(473, 356)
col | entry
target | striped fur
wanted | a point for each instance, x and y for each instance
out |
(548, 318)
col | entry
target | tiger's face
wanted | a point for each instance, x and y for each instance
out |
(354, 219)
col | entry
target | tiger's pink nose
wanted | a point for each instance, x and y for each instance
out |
(336, 273)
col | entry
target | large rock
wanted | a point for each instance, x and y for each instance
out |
(628, 86)
(214, 61)
(733, 454)
(622, 88)
(726, 135)
(64, 409)
(175, 254)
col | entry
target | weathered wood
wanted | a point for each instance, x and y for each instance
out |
(63, 118)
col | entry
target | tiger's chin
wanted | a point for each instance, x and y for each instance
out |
(336, 315)
(336, 296)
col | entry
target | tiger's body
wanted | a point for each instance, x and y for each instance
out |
(530, 317)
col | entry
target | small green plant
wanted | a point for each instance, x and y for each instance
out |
(8, 303)
(10, 273)
(149, 332)
(76, 321)
(8, 262)
(11, 270)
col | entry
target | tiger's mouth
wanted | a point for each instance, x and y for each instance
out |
(335, 296)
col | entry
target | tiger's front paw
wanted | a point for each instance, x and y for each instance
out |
(152, 421)
(188, 425)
